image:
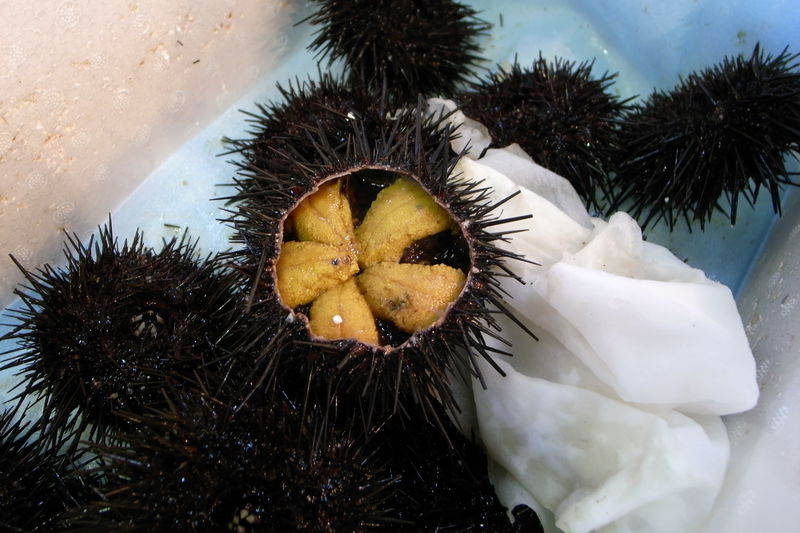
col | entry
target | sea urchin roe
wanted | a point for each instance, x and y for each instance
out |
(343, 313)
(323, 267)
(402, 213)
(412, 296)
(325, 217)
(307, 269)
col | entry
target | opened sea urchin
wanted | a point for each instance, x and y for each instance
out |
(372, 265)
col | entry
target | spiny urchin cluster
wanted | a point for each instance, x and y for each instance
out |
(250, 423)
(112, 327)
(721, 133)
(661, 158)
(291, 444)
(216, 399)
(200, 465)
(565, 119)
(411, 47)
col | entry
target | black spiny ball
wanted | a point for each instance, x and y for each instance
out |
(561, 116)
(412, 46)
(720, 134)
(106, 332)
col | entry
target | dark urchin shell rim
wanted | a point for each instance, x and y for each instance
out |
(418, 371)
(64, 418)
(683, 153)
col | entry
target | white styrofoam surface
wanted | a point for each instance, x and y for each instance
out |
(95, 95)
(763, 489)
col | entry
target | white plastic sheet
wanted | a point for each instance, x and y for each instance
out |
(611, 420)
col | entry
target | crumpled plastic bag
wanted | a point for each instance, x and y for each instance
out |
(611, 420)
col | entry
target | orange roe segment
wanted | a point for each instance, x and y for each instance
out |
(343, 313)
(307, 269)
(402, 213)
(325, 217)
(410, 295)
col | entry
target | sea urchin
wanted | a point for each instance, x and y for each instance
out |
(373, 265)
(411, 46)
(561, 116)
(109, 329)
(720, 133)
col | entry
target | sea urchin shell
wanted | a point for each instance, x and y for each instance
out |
(413, 47)
(561, 116)
(720, 133)
(407, 162)
(108, 330)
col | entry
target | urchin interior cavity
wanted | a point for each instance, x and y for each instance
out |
(370, 255)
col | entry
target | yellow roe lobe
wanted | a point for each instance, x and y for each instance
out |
(323, 267)
(307, 269)
(411, 296)
(325, 217)
(401, 214)
(342, 313)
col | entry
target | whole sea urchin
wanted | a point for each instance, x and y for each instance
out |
(561, 116)
(721, 133)
(412, 46)
(108, 330)
(377, 301)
